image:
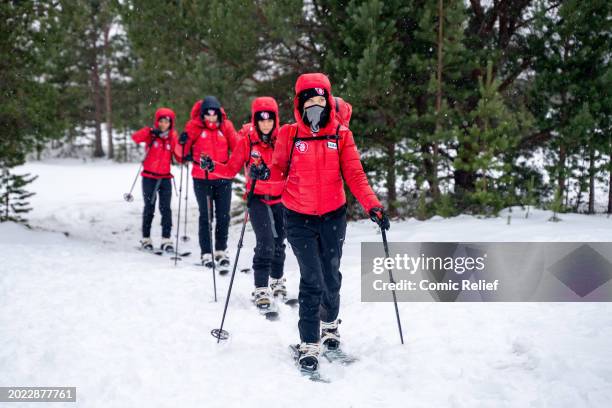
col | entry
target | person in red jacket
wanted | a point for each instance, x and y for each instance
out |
(210, 133)
(316, 156)
(160, 141)
(265, 211)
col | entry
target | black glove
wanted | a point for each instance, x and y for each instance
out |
(156, 132)
(188, 158)
(378, 215)
(207, 163)
(183, 138)
(259, 172)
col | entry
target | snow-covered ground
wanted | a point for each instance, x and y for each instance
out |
(129, 329)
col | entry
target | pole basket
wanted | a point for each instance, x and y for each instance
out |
(219, 334)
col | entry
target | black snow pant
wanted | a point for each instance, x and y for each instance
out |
(268, 222)
(151, 189)
(220, 192)
(317, 244)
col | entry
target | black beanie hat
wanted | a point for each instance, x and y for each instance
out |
(264, 115)
(210, 103)
(306, 94)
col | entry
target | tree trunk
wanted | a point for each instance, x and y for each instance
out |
(107, 94)
(96, 89)
(433, 183)
(592, 181)
(561, 170)
(391, 190)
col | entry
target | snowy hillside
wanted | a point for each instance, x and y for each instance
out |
(129, 329)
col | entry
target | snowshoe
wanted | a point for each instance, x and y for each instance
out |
(330, 337)
(278, 287)
(264, 303)
(207, 261)
(167, 246)
(146, 245)
(306, 357)
(222, 262)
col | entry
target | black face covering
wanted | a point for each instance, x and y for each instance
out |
(314, 116)
(266, 138)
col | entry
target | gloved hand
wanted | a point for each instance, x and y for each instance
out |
(183, 138)
(377, 214)
(156, 132)
(259, 172)
(207, 163)
(188, 158)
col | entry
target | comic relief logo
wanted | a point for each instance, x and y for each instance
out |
(320, 91)
(265, 115)
(301, 146)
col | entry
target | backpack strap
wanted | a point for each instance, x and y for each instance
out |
(296, 138)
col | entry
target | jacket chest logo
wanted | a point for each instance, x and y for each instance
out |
(156, 144)
(203, 134)
(301, 146)
(332, 145)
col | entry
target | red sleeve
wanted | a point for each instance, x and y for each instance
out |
(142, 135)
(354, 176)
(230, 133)
(237, 159)
(280, 157)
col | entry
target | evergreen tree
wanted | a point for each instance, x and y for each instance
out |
(14, 196)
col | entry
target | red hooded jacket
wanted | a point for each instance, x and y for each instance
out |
(249, 142)
(158, 156)
(215, 143)
(314, 178)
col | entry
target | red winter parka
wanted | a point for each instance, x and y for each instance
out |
(158, 156)
(270, 190)
(215, 143)
(315, 170)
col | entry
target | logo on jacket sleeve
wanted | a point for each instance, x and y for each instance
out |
(301, 146)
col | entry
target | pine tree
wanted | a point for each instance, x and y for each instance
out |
(572, 68)
(14, 196)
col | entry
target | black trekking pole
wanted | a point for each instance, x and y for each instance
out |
(128, 196)
(399, 323)
(210, 238)
(185, 237)
(175, 189)
(219, 333)
(178, 218)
